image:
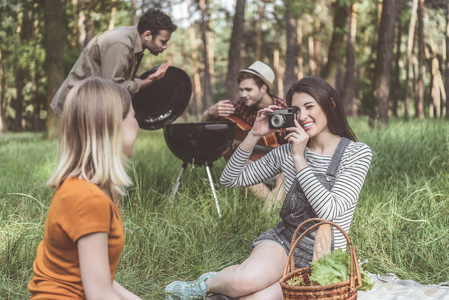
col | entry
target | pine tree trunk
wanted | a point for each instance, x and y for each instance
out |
(447, 61)
(183, 50)
(184, 66)
(18, 103)
(19, 82)
(260, 11)
(409, 58)
(37, 100)
(207, 102)
(54, 66)
(436, 96)
(335, 53)
(2, 96)
(89, 25)
(196, 73)
(211, 37)
(81, 30)
(290, 57)
(419, 104)
(134, 19)
(278, 67)
(76, 28)
(36, 106)
(169, 50)
(415, 75)
(381, 84)
(360, 109)
(396, 81)
(85, 24)
(113, 13)
(300, 59)
(312, 58)
(319, 60)
(278, 70)
(349, 89)
(232, 87)
(438, 92)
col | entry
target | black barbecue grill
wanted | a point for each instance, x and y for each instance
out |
(196, 143)
(164, 101)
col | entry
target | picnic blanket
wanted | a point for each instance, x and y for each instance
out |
(390, 287)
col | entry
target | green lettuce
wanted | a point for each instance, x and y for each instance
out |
(336, 267)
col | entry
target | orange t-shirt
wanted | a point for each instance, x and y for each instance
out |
(78, 208)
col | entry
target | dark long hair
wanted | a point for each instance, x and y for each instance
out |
(324, 93)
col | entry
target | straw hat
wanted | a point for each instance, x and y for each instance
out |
(262, 71)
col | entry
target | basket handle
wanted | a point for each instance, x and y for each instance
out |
(290, 265)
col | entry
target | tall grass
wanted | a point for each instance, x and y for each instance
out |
(400, 225)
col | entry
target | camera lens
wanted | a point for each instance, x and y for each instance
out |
(277, 121)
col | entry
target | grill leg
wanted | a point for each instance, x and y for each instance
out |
(214, 177)
(178, 180)
(210, 171)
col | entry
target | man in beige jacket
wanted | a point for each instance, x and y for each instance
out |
(116, 54)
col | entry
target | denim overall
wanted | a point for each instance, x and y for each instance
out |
(296, 209)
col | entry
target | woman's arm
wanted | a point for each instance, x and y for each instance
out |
(95, 271)
(123, 293)
(238, 173)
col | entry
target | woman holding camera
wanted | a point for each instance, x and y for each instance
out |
(83, 237)
(324, 169)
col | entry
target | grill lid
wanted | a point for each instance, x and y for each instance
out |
(164, 101)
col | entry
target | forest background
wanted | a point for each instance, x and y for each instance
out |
(385, 58)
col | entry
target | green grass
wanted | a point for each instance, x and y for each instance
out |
(400, 225)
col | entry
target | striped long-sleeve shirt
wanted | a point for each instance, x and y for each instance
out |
(337, 205)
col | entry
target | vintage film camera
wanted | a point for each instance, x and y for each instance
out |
(282, 118)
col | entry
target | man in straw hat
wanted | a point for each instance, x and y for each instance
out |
(256, 86)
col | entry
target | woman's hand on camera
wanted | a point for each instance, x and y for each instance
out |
(298, 139)
(261, 127)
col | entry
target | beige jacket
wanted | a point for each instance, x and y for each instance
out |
(114, 54)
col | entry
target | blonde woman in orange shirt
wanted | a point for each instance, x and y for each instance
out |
(83, 237)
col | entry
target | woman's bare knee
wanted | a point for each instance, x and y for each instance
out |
(245, 281)
(250, 280)
(263, 268)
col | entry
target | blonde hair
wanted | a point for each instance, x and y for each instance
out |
(90, 137)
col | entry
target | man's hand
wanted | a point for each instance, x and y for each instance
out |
(152, 78)
(223, 108)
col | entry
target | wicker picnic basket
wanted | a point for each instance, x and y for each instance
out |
(343, 290)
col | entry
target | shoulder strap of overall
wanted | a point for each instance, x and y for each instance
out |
(334, 164)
